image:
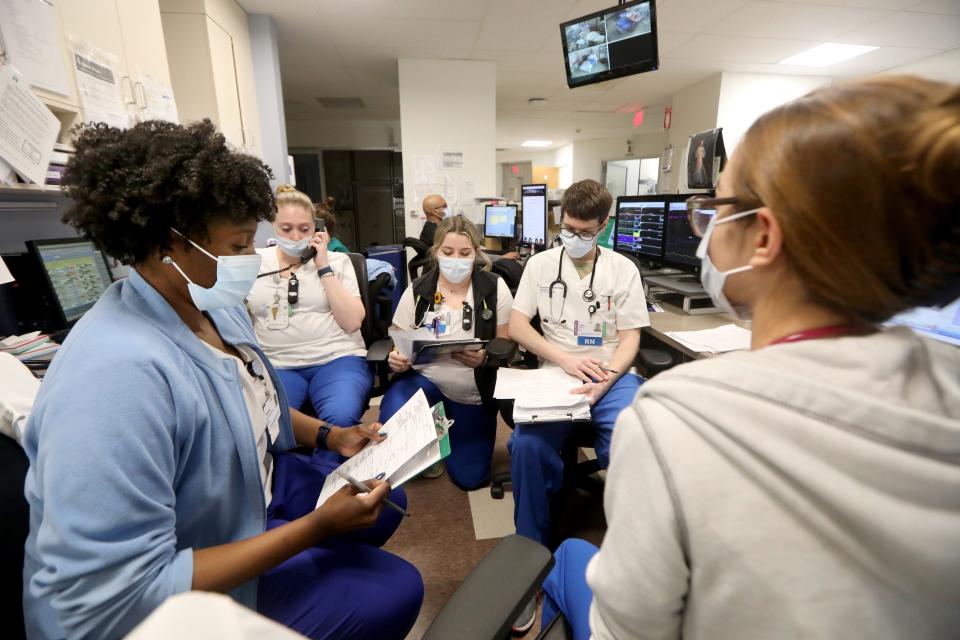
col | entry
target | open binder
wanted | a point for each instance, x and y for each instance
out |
(417, 437)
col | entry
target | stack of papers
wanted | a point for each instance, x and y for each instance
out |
(30, 346)
(728, 337)
(542, 395)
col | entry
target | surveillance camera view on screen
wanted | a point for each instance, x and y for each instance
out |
(609, 41)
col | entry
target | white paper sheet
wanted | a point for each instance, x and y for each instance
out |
(545, 383)
(159, 102)
(728, 337)
(27, 128)
(5, 275)
(409, 432)
(403, 340)
(100, 94)
(30, 34)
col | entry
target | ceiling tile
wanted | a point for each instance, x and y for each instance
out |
(717, 51)
(946, 7)
(693, 16)
(907, 29)
(799, 21)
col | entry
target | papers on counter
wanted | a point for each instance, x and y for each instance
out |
(728, 337)
(542, 395)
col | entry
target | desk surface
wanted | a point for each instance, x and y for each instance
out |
(674, 319)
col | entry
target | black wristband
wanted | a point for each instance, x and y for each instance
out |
(322, 434)
(322, 272)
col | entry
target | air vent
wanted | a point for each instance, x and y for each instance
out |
(341, 103)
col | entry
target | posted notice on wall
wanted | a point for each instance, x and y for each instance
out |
(100, 94)
(452, 159)
(158, 102)
(27, 128)
(30, 34)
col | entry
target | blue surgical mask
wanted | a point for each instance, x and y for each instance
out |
(456, 270)
(293, 248)
(575, 246)
(235, 278)
(713, 279)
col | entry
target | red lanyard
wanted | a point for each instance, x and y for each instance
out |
(821, 332)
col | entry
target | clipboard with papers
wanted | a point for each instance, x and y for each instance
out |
(542, 395)
(417, 437)
(427, 351)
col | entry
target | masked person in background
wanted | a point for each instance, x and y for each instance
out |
(435, 208)
(458, 299)
(307, 315)
(159, 441)
(808, 487)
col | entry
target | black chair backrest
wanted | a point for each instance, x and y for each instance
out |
(421, 260)
(368, 328)
(15, 516)
(511, 271)
(382, 304)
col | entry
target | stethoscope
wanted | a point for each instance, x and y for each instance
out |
(589, 295)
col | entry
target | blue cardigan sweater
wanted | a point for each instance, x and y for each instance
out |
(141, 449)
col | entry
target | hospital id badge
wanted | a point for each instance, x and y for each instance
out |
(589, 334)
(271, 410)
(278, 314)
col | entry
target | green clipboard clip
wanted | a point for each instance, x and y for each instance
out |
(443, 424)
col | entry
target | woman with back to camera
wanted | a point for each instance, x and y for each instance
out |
(158, 442)
(459, 299)
(308, 315)
(809, 487)
(327, 211)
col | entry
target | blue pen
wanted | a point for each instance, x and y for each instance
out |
(362, 488)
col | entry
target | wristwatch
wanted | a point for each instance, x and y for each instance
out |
(327, 269)
(322, 434)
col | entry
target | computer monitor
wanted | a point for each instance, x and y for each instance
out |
(611, 43)
(639, 229)
(500, 221)
(679, 245)
(534, 200)
(940, 324)
(76, 271)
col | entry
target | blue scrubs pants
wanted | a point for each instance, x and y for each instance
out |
(343, 587)
(536, 468)
(472, 435)
(339, 390)
(566, 590)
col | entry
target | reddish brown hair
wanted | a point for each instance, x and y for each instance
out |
(864, 180)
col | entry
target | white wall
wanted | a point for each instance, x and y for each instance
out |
(358, 135)
(746, 96)
(564, 161)
(588, 155)
(633, 174)
(448, 104)
(266, 71)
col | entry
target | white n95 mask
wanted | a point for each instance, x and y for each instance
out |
(235, 278)
(293, 248)
(712, 278)
(575, 246)
(456, 270)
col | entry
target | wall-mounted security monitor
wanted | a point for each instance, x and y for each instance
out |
(612, 43)
(500, 221)
(76, 271)
(533, 197)
(640, 222)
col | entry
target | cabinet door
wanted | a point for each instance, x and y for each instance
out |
(94, 24)
(223, 62)
(143, 43)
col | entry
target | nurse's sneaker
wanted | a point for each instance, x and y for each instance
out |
(527, 617)
(433, 472)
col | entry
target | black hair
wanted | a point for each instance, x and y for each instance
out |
(130, 187)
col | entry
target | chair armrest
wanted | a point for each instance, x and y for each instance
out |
(485, 606)
(655, 361)
(556, 629)
(379, 350)
(500, 351)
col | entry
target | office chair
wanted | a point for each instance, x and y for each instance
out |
(421, 261)
(510, 270)
(15, 515)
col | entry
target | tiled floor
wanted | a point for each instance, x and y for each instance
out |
(449, 531)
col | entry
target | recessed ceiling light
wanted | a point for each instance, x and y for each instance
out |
(827, 54)
(536, 143)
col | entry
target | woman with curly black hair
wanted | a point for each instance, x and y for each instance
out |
(158, 443)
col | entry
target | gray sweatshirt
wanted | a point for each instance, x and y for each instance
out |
(804, 490)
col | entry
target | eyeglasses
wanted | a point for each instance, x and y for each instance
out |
(583, 235)
(700, 211)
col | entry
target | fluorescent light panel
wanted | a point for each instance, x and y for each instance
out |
(828, 54)
(536, 143)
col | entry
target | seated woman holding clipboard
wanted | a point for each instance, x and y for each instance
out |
(457, 300)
